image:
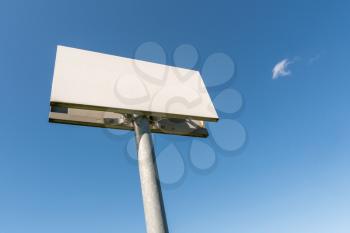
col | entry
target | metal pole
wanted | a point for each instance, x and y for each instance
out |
(151, 191)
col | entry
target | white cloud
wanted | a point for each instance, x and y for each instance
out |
(314, 58)
(281, 69)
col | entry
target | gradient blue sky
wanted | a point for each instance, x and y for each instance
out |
(293, 173)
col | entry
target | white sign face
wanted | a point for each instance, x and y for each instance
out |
(96, 81)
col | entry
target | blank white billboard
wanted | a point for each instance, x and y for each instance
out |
(96, 81)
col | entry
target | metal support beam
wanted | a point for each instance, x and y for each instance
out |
(151, 191)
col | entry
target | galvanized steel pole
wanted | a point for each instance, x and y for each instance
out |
(151, 191)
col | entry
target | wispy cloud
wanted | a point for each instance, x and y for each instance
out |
(314, 58)
(281, 69)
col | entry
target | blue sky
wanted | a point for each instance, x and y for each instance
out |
(290, 176)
